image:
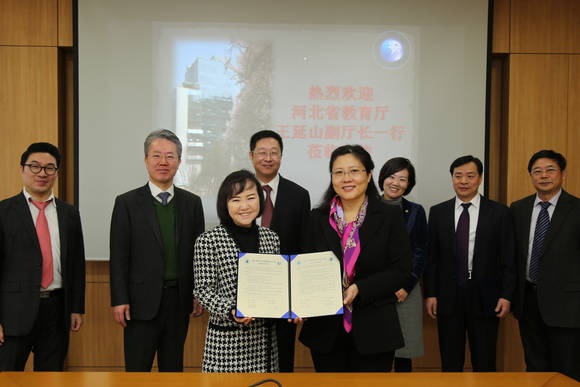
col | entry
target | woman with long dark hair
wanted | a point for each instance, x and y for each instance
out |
(371, 242)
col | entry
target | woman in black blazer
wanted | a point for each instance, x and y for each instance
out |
(370, 239)
(397, 179)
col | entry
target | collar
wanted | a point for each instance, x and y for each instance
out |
(156, 191)
(552, 201)
(28, 196)
(474, 202)
(272, 183)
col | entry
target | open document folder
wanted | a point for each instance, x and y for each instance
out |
(289, 286)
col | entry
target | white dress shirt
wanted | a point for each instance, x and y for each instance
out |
(156, 191)
(473, 211)
(274, 185)
(52, 219)
(535, 212)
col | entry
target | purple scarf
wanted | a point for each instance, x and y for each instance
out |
(350, 242)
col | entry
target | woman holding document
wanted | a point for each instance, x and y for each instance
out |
(371, 242)
(234, 344)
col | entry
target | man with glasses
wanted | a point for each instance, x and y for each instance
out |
(42, 267)
(547, 230)
(286, 211)
(153, 231)
(470, 276)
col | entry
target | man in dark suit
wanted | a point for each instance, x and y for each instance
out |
(42, 267)
(547, 235)
(470, 275)
(286, 211)
(153, 230)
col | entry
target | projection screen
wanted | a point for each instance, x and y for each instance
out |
(401, 78)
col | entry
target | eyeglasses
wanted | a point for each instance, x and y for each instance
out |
(354, 173)
(263, 154)
(539, 172)
(36, 168)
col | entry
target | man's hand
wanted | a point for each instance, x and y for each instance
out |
(401, 295)
(1, 335)
(197, 309)
(502, 308)
(76, 320)
(431, 306)
(121, 314)
(349, 294)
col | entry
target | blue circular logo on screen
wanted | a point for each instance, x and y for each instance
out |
(392, 49)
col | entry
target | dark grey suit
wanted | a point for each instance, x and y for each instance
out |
(20, 274)
(549, 313)
(289, 221)
(137, 269)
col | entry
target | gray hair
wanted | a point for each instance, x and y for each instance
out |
(166, 135)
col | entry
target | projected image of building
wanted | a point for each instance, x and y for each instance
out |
(203, 106)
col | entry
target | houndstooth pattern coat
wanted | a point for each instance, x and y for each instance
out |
(229, 346)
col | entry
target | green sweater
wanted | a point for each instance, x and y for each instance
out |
(166, 218)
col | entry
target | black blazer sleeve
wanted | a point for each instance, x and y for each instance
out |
(76, 257)
(432, 261)
(120, 248)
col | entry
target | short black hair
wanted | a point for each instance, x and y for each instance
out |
(395, 165)
(41, 147)
(548, 154)
(366, 160)
(265, 134)
(233, 184)
(466, 160)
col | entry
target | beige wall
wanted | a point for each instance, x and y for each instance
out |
(535, 103)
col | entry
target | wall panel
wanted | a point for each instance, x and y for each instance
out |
(572, 183)
(28, 22)
(28, 106)
(65, 25)
(501, 26)
(541, 26)
(537, 119)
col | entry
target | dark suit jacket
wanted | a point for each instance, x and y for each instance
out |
(493, 257)
(416, 223)
(290, 217)
(136, 265)
(559, 283)
(382, 268)
(21, 264)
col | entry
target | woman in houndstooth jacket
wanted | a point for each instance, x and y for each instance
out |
(234, 344)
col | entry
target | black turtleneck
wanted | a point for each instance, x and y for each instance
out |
(246, 238)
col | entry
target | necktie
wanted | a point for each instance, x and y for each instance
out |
(462, 244)
(164, 196)
(43, 234)
(542, 225)
(268, 207)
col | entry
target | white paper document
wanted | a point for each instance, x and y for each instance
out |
(289, 286)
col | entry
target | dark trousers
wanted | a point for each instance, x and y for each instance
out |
(344, 357)
(165, 335)
(286, 337)
(548, 349)
(403, 364)
(481, 331)
(48, 339)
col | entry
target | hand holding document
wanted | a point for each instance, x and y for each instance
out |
(289, 286)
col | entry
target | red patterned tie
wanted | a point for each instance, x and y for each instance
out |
(268, 207)
(45, 245)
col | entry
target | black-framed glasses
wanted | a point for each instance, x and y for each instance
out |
(36, 168)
